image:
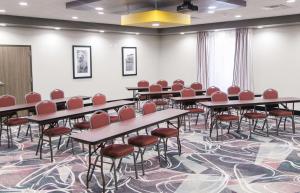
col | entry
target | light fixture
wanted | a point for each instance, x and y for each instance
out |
(2, 24)
(99, 8)
(211, 11)
(74, 17)
(212, 7)
(100, 12)
(290, 1)
(181, 33)
(260, 27)
(2, 10)
(101, 31)
(155, 24)
(57, 28)
(23, 3)
(237, 16)
(137, 33)
(148, 18)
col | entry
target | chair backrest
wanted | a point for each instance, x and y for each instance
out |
(211, 90)
(126, 113)
(33, 97)
(99, 99)
(177, 87)
(233, 90)
(149, 107)
(143, 83)
(74, 103)
(178, 81)
(99, 119)
(163, 83)
(246, 95)
(155, 88)
(196, 86)
(57, 94)
(219, 96)
(270, 94)
(45, 107)
(7, 100)
(188, 92)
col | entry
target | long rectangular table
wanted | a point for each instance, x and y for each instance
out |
(119, 129)
(134, 89)
(29, 106)
(258, 101)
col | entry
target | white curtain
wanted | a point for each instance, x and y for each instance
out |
(202, 58)
(221, 58)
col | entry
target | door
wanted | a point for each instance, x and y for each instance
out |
(15, 71)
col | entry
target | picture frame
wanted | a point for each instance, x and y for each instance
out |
(129, 61)
(82, 61)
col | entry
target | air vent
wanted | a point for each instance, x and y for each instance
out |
(272, 7)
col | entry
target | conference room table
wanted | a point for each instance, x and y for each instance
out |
(136, 89)
(284, 101)
(45, 119)
(97, 136)
(148, 95)
(187, 100)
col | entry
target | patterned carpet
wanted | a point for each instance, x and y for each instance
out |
(236, 164)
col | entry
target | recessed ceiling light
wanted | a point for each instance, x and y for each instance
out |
(181, 33)
(216, 30)
(57, 28)
(101, 31)
(99, 8)
(74, 17)
(212, 7)
(260, 27)
(23, 3)
(237, 16)
(211, 11)
(290, 1)
(155, 24)
(2, 24)
(100, 12)
(137, 33)
(2, 10)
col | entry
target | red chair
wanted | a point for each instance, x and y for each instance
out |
(220, 116)
(251, 114)
(142, 142)
(100, 99)
(276, 112)
(158, 100)
(177, 87)
(196, 86)
(162, 133)
(163, 83)
(178, 81)
(212, 90)
(53, 130)
(57, 94)
(12, 119)
(99, 120)
(32, 97)
(79, 122)
(143, 83)
(191, 107)
(233, 90)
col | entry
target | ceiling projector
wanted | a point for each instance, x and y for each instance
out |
(187, 6)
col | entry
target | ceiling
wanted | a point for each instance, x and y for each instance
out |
(56, 9)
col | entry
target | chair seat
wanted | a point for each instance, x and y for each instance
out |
(165, 132)
(255, 115)
(281, 113)
(195, 110)
(227, 118)
(161, 102)
(57, 131)
(117, 150)
(142, 140)
(82, 125)
(16, 121)
(114, 118)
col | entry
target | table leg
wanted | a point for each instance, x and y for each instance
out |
(89, 166)
(211, 121)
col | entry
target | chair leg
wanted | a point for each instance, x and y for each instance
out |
(51, 151)
(142, 160)
(59, 141)
(41, 146)
(93, 168)
(115, 174)
(11, 138)
(277, 127)
(30, 132)
(165, 147)
(197, 118)
(293, 124)
(189, 117)
(217, 127)
(1, 134)
(38, 147)
(134, 162)
(158, 151)
(19, 129)
(102, 175)
(250, 130)
(178, 145)
(8, 137)
(284, 124)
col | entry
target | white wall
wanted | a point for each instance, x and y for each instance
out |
(52, 60)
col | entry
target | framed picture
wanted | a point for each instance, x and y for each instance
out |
(129, 61)
(82, 62)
